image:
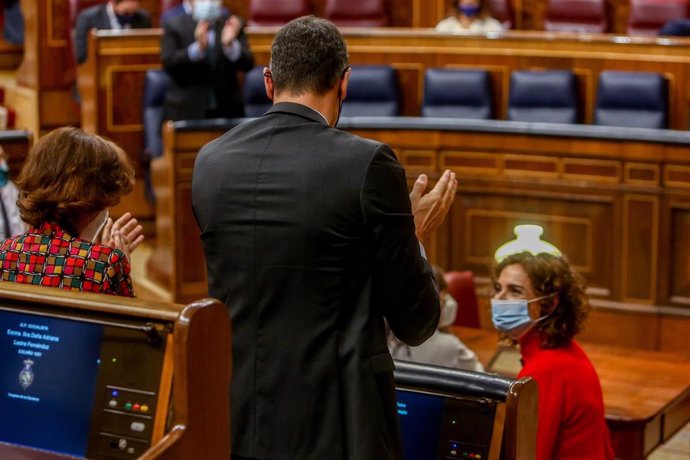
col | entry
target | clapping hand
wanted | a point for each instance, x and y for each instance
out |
(125, 233)
(201, 34)
(430, 210)
(231, 29)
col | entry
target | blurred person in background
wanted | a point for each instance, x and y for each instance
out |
(442, 348)
(469, 15)
(12, 223)
(113, 14)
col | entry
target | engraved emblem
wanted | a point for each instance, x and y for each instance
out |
(26, 376)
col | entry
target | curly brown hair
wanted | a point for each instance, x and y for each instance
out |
(551, 274)
(69, 175)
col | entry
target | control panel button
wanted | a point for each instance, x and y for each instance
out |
(112, 403)
(144, 408)
(137, 426)
(122, 444)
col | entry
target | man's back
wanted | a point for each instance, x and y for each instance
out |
(310, 241)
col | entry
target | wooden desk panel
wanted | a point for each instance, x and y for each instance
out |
(646, 394)
(611, 222)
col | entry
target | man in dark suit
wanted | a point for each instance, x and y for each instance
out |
(311, 240)
(113, 14)
(203, 50)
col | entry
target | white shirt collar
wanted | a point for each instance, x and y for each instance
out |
(114, 23)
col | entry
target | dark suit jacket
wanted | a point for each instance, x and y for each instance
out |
(96, 17)
(187, 97)
(310, 241)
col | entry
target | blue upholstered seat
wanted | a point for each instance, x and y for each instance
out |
(372, 92)
(543, 96)
(256, 102)
(632, 99)
(156, 83)
(457, 93)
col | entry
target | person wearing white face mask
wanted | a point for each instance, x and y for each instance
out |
(540, 303)
(68, 182)
(202, 51)
(470, 16)
(10, 221)
(442, 348)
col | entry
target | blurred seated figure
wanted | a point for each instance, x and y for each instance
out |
(112, 14)
(676, 27)
(68, 182)
(472, 15)
(442, 348)
(10, 222)
(540, 303)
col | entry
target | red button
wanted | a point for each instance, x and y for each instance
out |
(135, 407)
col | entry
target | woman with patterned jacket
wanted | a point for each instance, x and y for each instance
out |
(66, 186)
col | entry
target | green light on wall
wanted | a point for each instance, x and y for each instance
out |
(528, 239)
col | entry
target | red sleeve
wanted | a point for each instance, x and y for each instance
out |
(551, 401)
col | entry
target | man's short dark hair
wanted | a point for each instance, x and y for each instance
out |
(308, 55)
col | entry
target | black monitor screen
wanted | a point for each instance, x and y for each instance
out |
(48, 373)
(420, 422)
(436, 426)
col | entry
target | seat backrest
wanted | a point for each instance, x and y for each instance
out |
(461, 287)
(156, 83)
(256, 102)
(457, 93)
(647, 17)
(676, 27)
(372, 91)
(633, 99)
(362, 13)
(582, 16)
(276, 12)
(548, 96)
(502, 11)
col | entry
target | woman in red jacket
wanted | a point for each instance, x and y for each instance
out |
(540, 303)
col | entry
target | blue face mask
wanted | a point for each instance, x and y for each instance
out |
(4, 173)
(206, 10)
(512, 316)
(469, 11)
(125, 19)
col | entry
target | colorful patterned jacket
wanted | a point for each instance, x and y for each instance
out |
(49, 256)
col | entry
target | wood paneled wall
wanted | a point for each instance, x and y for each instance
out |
(617, 208)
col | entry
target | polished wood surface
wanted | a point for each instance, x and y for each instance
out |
(646, 394)
(199, 408)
